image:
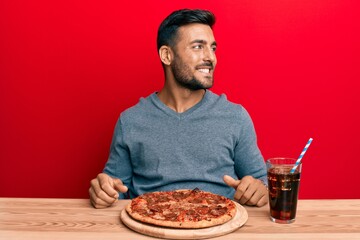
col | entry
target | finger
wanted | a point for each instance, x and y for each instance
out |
(254, 193)
(241, 190)
(263, 201)
(246, 189)
(118, 184)
(231, 181)
(98, 193)
(250, 196)
(95, 201)
(107, 186)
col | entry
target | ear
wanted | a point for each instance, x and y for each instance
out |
(165, 54)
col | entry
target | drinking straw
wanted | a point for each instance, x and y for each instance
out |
(298, 161)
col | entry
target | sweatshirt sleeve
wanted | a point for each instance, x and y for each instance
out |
(248, 158)
(119, 164)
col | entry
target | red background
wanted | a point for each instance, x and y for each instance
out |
(68, 68)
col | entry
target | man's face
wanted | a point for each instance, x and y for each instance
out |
(194, 57)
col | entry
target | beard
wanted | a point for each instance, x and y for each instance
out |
(184, 77)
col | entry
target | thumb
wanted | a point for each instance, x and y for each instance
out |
(231, 181)
(118, 185)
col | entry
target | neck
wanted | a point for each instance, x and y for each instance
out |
(180, 100)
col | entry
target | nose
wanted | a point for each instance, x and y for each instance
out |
(209, 54)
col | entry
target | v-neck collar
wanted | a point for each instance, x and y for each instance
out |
(156, 100)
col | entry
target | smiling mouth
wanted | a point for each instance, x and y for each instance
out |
(204, 70)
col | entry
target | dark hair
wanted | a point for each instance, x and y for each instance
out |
(169, 27)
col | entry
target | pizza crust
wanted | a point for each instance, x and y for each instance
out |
(161, 221)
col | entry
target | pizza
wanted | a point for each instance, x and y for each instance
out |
(182, 209)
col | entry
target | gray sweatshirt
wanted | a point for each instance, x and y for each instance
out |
(157, 149)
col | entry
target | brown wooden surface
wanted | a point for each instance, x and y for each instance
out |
(33, 218)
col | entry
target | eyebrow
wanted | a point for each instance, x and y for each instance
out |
(202, 42)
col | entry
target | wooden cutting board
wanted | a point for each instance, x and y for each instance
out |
(173, 233)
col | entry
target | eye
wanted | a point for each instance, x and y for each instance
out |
(198, 47)
(213, 48)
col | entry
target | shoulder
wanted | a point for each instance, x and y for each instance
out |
(221, 104)
(143, 108)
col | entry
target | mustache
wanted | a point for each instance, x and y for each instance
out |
(209, 64)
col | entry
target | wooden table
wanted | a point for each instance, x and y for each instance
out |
(34, 218)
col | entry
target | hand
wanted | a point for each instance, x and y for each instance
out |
(249, 191)
(104, 190)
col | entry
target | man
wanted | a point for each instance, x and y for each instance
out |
(184, 136)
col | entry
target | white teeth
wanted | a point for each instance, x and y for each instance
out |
(204, 70)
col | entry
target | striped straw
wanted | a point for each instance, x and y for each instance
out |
(298, 161)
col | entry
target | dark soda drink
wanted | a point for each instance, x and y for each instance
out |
(283, 193)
